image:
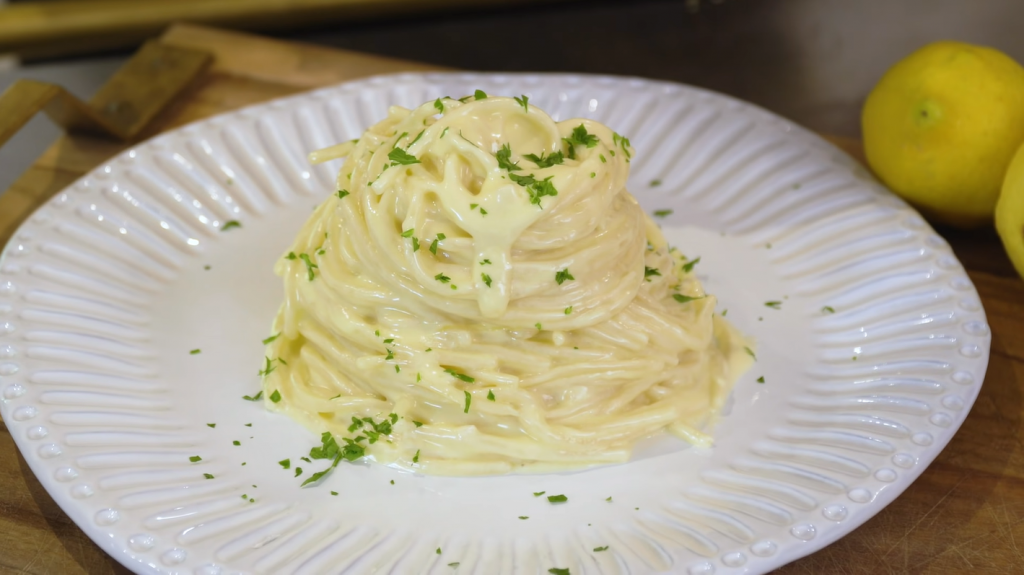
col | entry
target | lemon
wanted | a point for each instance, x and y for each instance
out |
(941, 126)
(1010, 212)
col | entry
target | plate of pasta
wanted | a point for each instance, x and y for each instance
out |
(482, 323)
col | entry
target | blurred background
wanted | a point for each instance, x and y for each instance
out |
(812, 61)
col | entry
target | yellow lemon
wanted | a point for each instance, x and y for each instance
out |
(941, 126)
(1010, 212)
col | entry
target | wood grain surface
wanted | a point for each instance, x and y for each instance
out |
(965, 513)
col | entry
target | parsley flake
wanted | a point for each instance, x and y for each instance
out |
(418, 423)
(486, 278)
(539, 493)
(271, 338)
(469, 400)
(524, 517)
(433, 244)
(685, 298)
(479, 95)
(523, 101)
(648, 272)
(504, 157)
(342, 193)
(562, 275)
(415, 245)
(443, 132)
(485, 262)
(655, 183)
(557, 498)
(408, 233)
(416, 458)
(579, 137)
(773, 304)
(298, 471)
(236, 443)
(310, 266)
(760, 379)
(276, 396)
(439, 105)
(208, 475)
(688, 266)
(253, 397)
(400, 156)
(195, 459)
(460, 376)
(662, 213)
(285, 463)
(622, 142)
(750, 352)
(442, 278)
(568, 310)
(211, 425)
(828, 309)
(552, 159)
(230, 224)
(559, 571)
(267, 369)
(538, 326)
(195, 352)
(490, 395)
(600, 549)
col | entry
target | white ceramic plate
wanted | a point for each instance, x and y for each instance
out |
(105, 291)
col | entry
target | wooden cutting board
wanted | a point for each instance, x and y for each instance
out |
(965, 513)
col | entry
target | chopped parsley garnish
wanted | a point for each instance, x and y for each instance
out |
(688, 266)
(600, 549)
(298, 471)
(271, 338)
(211, 425)
(195, 459)
(443, 132)
(439, 105)
(391, 354)
(342, 194)
(568, 310)
(400, 156)
(310, 266)
(469, 400)
(438, 551)
(208, 475)
(648, 272)
(490, 395)
(552, 159)
(559, 571)
(267, 369)
(285, 463)
(760, 379)
(579, 137)
(486, 278)
(408, 233)
(724, 312)
(458, 375)
(622, 142)
(195, 352)
(685, 298)
(557, 498)
(562, 275)
(418, 423)
(230, 224)
(603, 160)
(828, 309)
(398, 369)
(655, 183)
(523, 101)
(416, 458)
(662, 213)
(538, 493)
(538, 326)
(334, 493)
(416, 139)
(750, 352)
(442, 278)
(236, 443)
(485, 262)
(479, 95)
(473, 206)
(609, 498)
(415, 245)
(433, 244)
(524, 517)
(504, 157)
(453, 565)
(276, 396)
(389, 340)
(253, 397)
(773, 304)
